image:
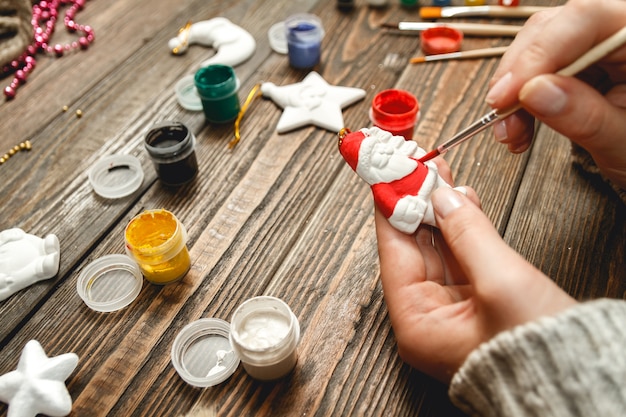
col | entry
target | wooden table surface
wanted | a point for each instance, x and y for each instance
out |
(281, 215)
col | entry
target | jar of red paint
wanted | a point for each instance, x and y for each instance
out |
(396, 111)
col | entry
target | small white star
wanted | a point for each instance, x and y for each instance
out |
(38, 383)
(312, 101)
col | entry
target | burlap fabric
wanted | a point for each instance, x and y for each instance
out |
(16, 30)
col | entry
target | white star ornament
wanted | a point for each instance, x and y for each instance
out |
(312, 101)
(37, 386)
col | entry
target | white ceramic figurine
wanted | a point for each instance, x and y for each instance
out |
(234, 44)
(26, 259)
(400, 183)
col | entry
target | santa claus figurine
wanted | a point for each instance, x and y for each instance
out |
(400, 183)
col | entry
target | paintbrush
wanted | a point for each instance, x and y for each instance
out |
(591, 56)
(474, 53)
(468, 29)
(469, 11)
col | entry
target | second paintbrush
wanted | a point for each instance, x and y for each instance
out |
(475, 53)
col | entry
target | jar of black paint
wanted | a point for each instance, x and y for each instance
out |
(171, 148)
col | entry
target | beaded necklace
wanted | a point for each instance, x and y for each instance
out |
(44, 18)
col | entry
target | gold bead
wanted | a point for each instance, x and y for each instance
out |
(27, 145)
(65, 108)
(2, 160)
(12, 151)
(16, 148)
(6, 156)
(79, 113)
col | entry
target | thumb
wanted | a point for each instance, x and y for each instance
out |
(486, 260)
(578, 111)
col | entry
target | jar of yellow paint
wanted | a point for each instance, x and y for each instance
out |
(156, 240)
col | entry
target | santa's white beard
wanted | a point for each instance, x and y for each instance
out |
(387, 169)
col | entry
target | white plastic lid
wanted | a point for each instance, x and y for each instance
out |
(186, 93)
(116, 176)
(278, 38)
(202, 354)
(110, 283)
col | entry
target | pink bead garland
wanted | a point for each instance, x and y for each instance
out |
(45, 15)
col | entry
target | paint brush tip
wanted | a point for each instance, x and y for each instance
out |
(417, 60)
(430, 155)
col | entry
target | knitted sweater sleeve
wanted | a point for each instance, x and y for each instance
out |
(572, 364)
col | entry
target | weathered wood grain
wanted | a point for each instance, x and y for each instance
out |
(280, 215)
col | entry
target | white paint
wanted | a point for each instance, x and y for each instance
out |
(265, 333)
(264, 330)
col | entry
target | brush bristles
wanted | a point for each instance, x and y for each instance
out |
(430, 12)
(418, 60)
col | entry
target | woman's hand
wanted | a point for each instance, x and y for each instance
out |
(591, 113)
(449, 290)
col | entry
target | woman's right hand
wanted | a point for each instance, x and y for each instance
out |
(591, 113)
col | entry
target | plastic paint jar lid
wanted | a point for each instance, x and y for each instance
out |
(202, 354)
(187, 94)
(206, 353)
(278, 38)
(109, 283)
(116, 176)
(441, 40)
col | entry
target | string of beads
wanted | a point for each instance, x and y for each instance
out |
(44, 19)
(24, 146)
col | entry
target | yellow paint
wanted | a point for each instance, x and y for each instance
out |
(156, 240)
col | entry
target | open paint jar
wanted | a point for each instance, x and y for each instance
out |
(263, 335)
(156, 240)
(395, 111)
(217, 86)
(304, 34)
(171, 148)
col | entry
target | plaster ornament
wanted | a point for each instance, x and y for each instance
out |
(26, 259)
(37, 386)
(312, 101)
(401, 185)
(234, 44)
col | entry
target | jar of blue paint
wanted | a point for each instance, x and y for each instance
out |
(304, 34)
(217, 87)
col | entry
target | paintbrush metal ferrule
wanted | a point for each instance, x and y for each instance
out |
(468, 29)
(477, 11)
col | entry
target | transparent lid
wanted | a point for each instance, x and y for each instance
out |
(116, 176)
(202, 354)
(277, 38)
(187, 94)
(110, 283)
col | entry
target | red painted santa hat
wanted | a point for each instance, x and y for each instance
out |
(350, 145)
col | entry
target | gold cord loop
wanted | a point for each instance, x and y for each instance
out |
(185, 32)
(255, 92)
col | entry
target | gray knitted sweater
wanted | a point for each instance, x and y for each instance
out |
(572, 364)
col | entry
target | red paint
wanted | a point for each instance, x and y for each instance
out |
(395, 111)
(441, 40)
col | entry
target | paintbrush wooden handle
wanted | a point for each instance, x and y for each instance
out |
(491, 11)
(472, 53)
(468, 29)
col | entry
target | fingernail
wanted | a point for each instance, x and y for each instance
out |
(499, 131)
(445, 201)
(498, 89)
(543, 97)
(461, 189)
